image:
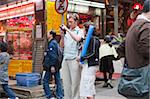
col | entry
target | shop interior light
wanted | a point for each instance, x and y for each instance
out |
(78, 8)
(88, 3)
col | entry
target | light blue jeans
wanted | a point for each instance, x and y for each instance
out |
(8, 91)
(59, 89)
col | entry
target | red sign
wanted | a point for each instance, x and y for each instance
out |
(61, 6)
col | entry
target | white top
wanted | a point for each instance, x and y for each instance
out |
(106, 50)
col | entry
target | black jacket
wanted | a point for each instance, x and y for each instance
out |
(92, 55)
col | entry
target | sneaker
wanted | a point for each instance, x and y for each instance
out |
(110, 85)
(105, 85)
(109, 81)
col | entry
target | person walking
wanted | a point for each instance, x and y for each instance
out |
(137, 57)
(4, 61)
(51, 68)
(90, 67)
(71, 71)
(107, 55)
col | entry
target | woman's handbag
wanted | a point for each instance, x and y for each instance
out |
(134, 82)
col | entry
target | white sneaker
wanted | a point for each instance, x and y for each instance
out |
(109, 81)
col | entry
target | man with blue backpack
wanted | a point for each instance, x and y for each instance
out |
(51, 66)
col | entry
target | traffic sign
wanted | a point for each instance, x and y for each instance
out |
(61, 6)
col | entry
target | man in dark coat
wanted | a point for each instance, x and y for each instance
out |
(137, 44)
(51, 67)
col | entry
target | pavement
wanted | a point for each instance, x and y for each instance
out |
(102, 93)
(108, 93)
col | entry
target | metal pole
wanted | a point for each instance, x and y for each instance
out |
(116, 18)
(62, 21)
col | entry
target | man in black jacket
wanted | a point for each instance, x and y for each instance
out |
(51, 68)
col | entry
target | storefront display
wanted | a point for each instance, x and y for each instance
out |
(18, 22)
(19, 32)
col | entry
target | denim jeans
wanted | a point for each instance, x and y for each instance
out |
(8, 91)
(59, 89)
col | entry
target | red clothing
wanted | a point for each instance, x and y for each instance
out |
(130, 21)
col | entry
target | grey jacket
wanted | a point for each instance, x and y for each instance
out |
(4, 61)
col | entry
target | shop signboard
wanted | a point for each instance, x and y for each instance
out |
(61, 6)
(53, 18)
(19, 66)
(38, 31)
(39, 5)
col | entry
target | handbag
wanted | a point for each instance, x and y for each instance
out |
(134, 82)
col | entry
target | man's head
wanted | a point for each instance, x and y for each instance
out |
(146, 8)
(51, 35)
(73, 20)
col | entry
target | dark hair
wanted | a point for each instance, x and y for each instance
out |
(146, 7)
(3, 47)
(107, 39)
(87, 25)
(53, 34)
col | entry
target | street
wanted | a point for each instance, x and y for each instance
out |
(107, 93)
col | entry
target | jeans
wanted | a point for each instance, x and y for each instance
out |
(59, 89)
(8, 91)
